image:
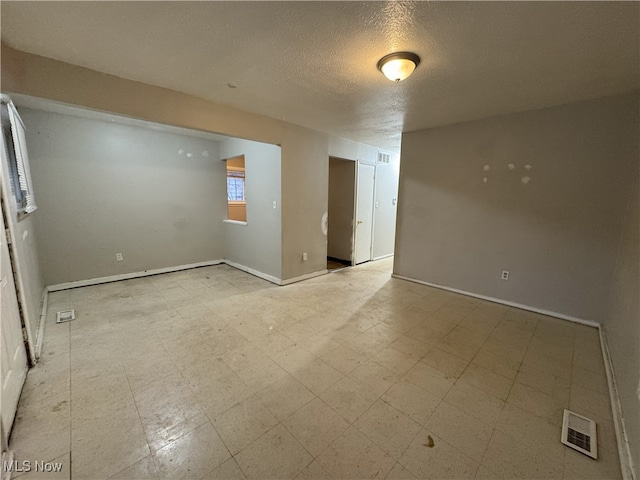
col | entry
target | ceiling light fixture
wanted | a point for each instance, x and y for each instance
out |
(398, 66)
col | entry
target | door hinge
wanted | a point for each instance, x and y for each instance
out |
(25, 337)
(7, 235)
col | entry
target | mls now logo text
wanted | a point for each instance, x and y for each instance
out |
(29, 466)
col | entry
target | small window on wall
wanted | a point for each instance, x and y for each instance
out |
(236, 198)
(15, 148)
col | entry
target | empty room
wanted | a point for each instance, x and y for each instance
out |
(320, 240)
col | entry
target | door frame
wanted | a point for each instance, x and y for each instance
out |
(11, 218)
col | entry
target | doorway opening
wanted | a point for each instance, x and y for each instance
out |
(342, 195)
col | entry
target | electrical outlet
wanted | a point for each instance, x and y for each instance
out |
(119, 257)
(505, 275)
(304, 257)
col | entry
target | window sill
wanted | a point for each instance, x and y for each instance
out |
(234, 222)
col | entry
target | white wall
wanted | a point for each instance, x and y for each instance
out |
(104, 188)
(556, 235)
(258, 244)
(342, 177)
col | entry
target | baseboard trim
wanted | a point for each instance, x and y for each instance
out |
(624, 449)
(43, 318)
(541, 311)
(146, 273)
(381, 257)
(127, 276)
(257, 273)
(306, 276)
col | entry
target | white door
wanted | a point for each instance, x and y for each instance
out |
(365, 185)
(14, 355)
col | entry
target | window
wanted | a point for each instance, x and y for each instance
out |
(236, 191)
(235, 186)
(13, 133)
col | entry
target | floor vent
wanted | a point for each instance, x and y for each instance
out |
(579, 433)
(65, 316)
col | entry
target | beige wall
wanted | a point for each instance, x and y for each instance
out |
(342, 177)
(304, 152)
(622, 323)
(105, 188)
(556, 234)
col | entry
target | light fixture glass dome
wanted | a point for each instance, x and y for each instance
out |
(398, 66)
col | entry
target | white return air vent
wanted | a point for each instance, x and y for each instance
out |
(65, 316)
(383, 158)
(579, 433)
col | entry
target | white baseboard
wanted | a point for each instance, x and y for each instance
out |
(127, 276)
(257, 273)
(381, 257)
(541, 311)
(624, 449)
(306, 276)
(146, 273)
(43, 318)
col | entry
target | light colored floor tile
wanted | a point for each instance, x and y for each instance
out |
(395, 361)
(388, 428)
(475, 402)
(398, 472)
(487, 381)
(313, 471)
(534, 401)
(243, 423)
(263, 374)
(192, 455)
(153, 360)
(540, 435)
(293, 358)
(284, 397)
(411, 400)
(458, 428)
(142, 469)
(433, 381)
(430, 457)
(97, 449)
(349, 398)
(228, 470)
(510, 459)
(579, 466)
(315, 426)
(276, 455)
(445, 362)
(353, 455)
(343, 359)
(591, 402)
(56, 469)
(502, 365)
(317, 376)
(411, 346)
(375, 377)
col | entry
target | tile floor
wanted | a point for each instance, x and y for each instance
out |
(214, 373)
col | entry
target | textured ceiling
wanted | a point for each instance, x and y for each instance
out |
(314, 63)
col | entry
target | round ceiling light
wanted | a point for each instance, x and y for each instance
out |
(398, 66)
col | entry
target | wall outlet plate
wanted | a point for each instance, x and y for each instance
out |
(505, 275)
